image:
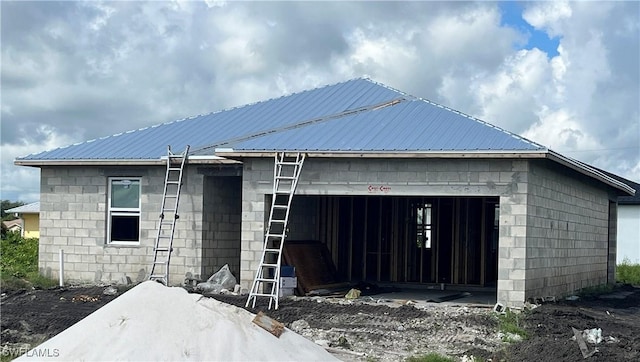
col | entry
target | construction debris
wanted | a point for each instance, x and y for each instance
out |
(353, 294)
(84, 298)
(110, 290)
(583, 346)
(593, 336)
(268, 324)
(222, 280)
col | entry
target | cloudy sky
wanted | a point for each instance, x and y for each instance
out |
(566, 75)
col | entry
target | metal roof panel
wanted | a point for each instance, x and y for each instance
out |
(353, 115)
(410, 125)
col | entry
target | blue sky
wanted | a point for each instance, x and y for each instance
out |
(512, 16)
(76, 71)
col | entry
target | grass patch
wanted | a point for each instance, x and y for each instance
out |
(596, 290)
(628, 273)
(19, 264)
(430, 357)
(511, 323)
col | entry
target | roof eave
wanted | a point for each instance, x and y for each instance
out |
(121, 162)
(227, 152)
(590, 171)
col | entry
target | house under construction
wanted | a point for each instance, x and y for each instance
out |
(394, 190)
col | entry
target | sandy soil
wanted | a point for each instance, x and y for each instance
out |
(365, 331)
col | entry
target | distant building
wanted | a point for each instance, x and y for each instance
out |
(13, 225)
(29, 215)
(628, 224)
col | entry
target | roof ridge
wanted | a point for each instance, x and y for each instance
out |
(303, 123)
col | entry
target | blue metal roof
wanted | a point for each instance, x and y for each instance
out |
(356, 115)
(409, 125)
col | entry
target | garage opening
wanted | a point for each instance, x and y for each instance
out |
(409, 240)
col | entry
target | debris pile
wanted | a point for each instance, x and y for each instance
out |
(221, 281)
(154, 322)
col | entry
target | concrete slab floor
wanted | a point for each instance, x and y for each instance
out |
(438, 297)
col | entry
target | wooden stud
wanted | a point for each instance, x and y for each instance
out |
(364, 239)
(350, 258)
(379, 251)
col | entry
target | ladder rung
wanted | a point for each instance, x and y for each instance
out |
(286, 177)
(269, 265)
(280, 206)
(272, 250)
(276, 235)
(173, 182)
(270, 280)
(289, 163)
(279, 221)
(162, 249)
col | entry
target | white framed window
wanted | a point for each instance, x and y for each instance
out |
(123, 200)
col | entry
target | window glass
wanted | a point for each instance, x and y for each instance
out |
(125, 227)
(125, 193)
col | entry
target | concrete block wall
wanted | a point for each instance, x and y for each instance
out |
(73, 217)
(303, 220)
(613, 242)
(512, 239)
(400, 177)
(567, 232)
(222, 223)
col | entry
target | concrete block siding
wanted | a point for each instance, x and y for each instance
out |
(73, 218)
(554, 228)
(506, 179)
(567, 233)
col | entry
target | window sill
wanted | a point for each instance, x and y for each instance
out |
(119, 245)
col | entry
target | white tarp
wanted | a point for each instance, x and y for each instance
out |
(152, 322)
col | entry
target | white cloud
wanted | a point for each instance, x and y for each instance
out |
(547, 15)
(21, 183)
(91, 69)
(561, 130)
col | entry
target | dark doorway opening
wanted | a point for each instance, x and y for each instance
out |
(413, 240)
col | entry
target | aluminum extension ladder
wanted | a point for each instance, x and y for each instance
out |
(168, 216)
(286, 173)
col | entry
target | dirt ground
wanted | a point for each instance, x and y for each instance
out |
(363, 330)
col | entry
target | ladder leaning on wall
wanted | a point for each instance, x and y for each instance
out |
(168, 215)
(286, 173)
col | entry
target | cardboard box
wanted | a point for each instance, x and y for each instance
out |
(285, 292)
(287, 271)
(288, 282)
